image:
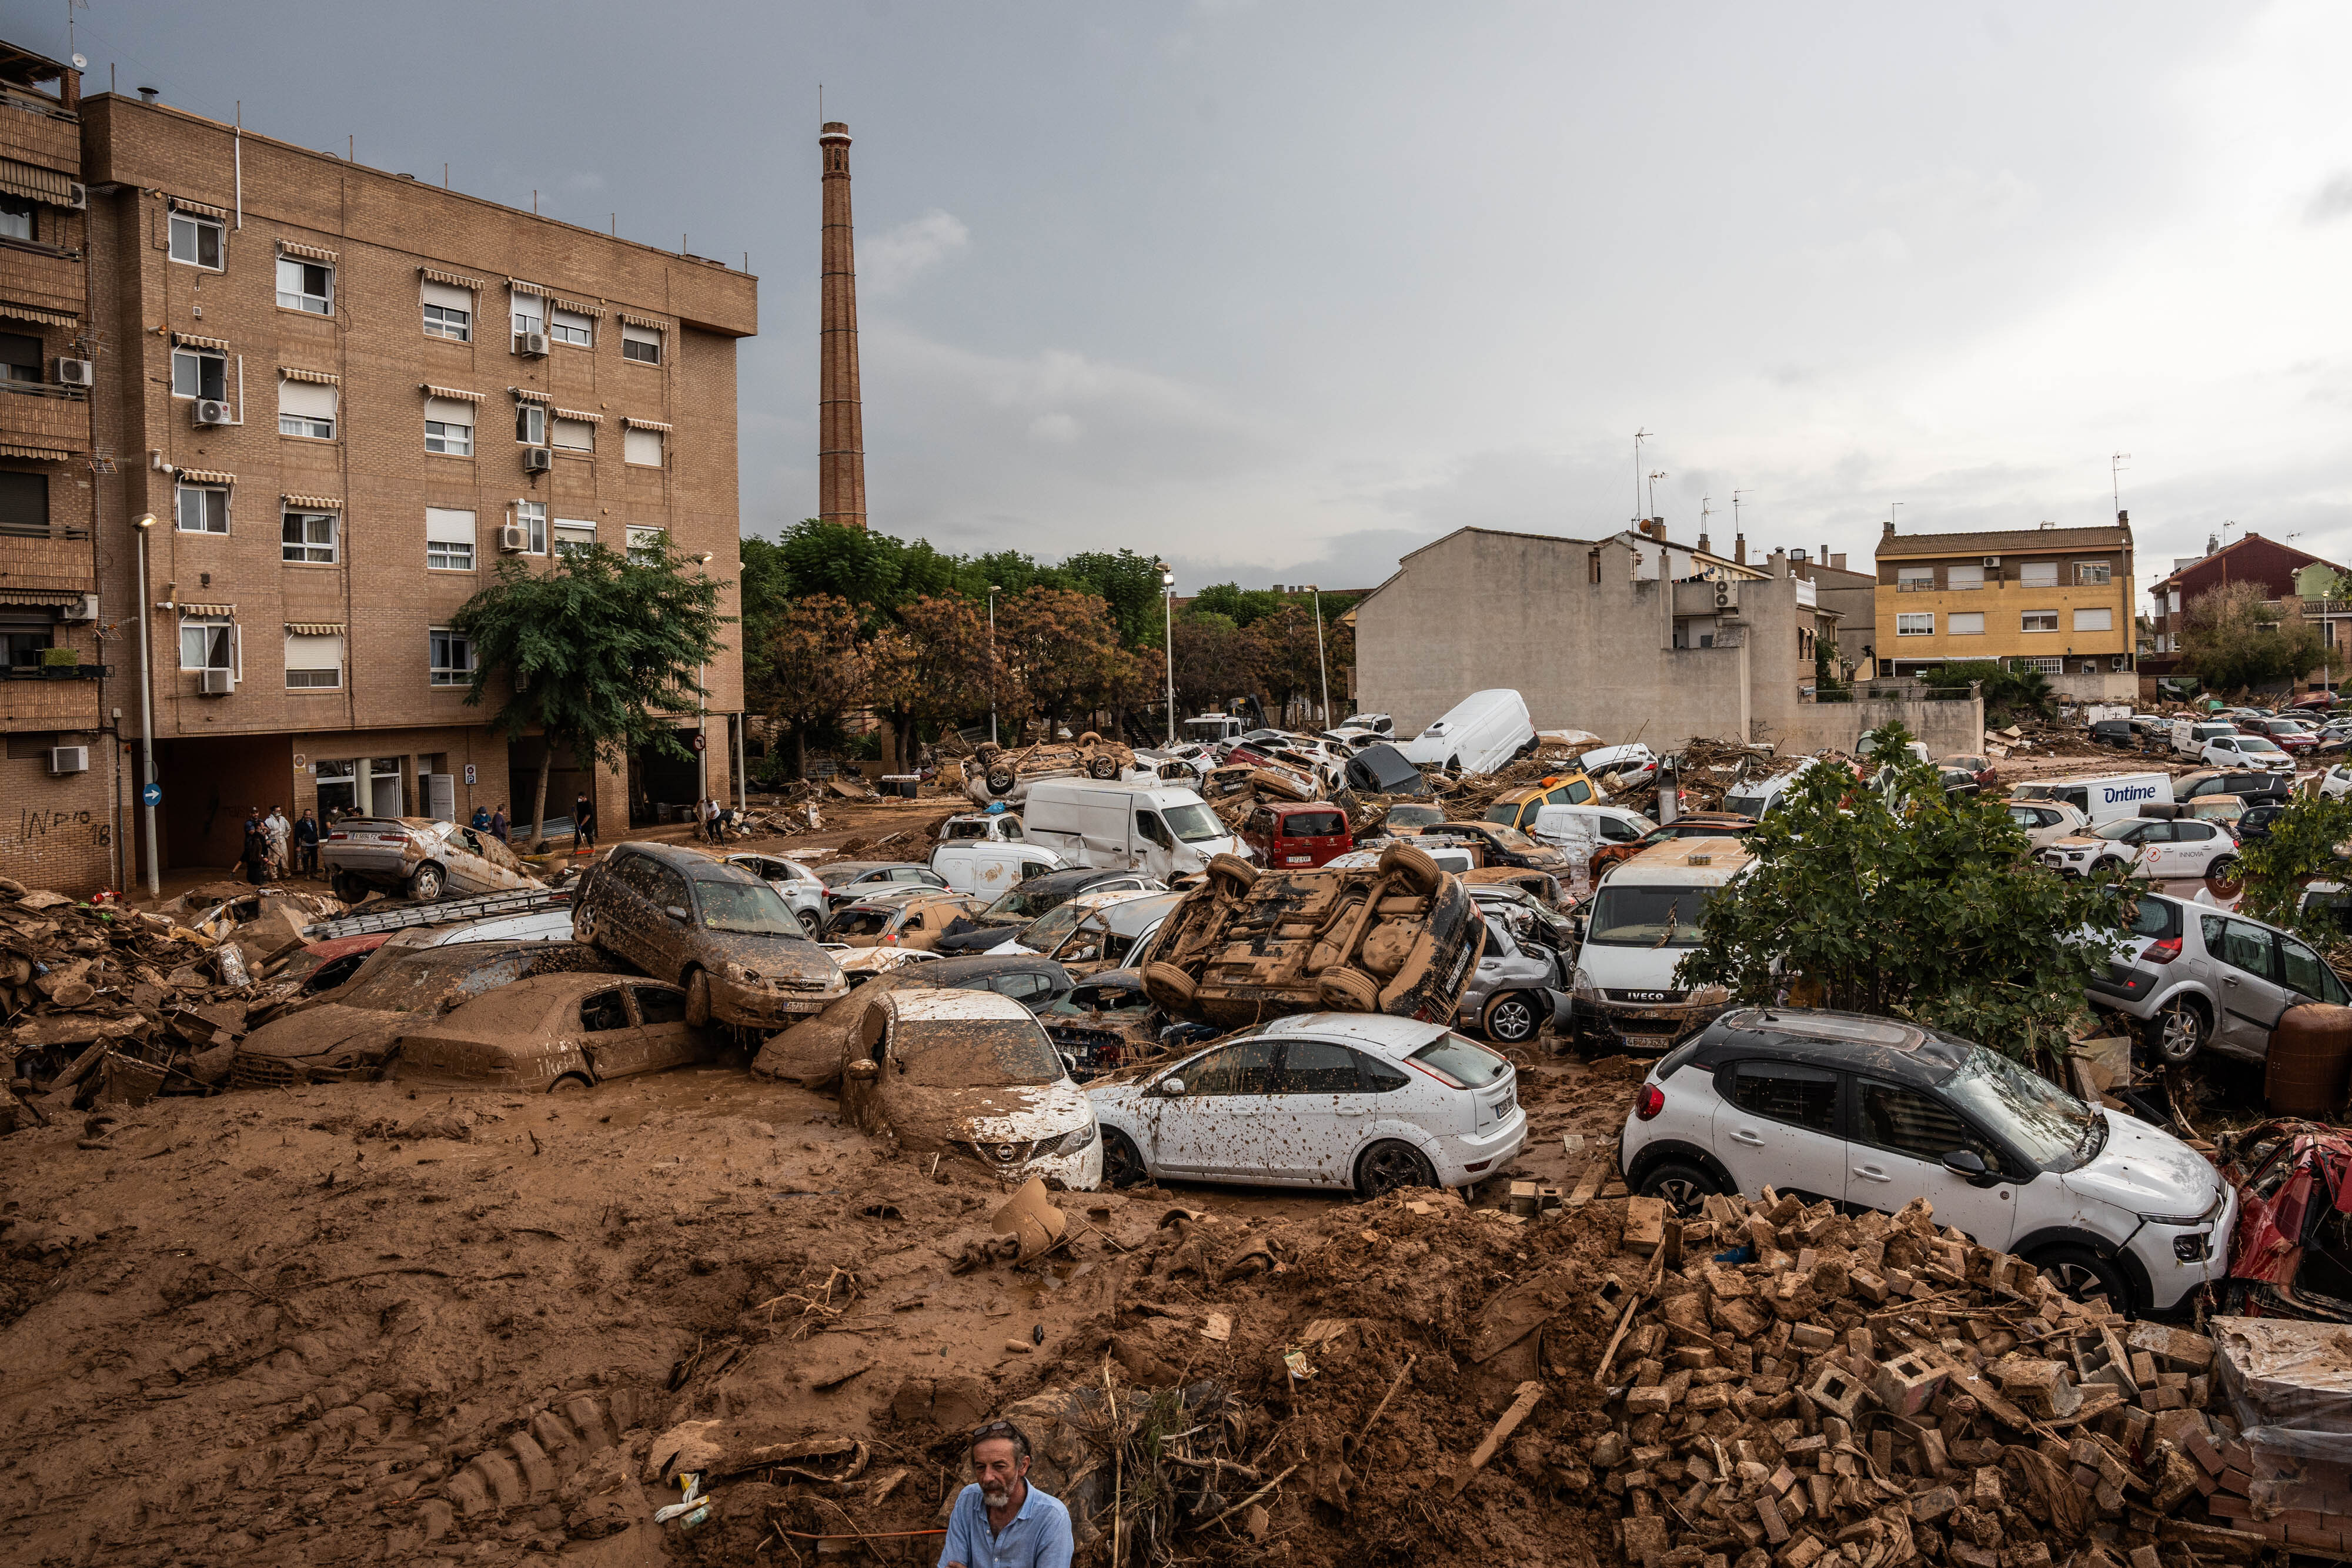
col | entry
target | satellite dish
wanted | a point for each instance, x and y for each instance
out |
(80, 63)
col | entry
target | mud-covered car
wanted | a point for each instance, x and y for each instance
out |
(416, 856)
(970, 1072)
(811, 1051)
(715, 929)
(553, 1033)
(1016, 907)
(2291, 1255)
(1106, 1022)
(1499, 846)
(997, 773)
(351, 1032)
(1399, 936)
(915, 920)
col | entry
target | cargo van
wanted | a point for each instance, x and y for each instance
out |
(1298, 835)
(1478, 735)
(1641, 923)
(2190, 735)
(2102, 797)
(1162, 830)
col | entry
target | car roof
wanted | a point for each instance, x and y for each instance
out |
(975, 965)
(1718, 860)
(1853, 1042)
(1381, 1032)
(1090, 901)
(950, 1004)
(1072, 877)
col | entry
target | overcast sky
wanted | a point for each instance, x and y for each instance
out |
(1282, 290)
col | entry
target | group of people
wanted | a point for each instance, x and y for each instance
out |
(278, 847)
(494, 823)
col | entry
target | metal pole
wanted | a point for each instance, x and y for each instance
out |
(1168, 625)
(1319, 662)
(701, 718)
(146, 521)
(993, 591)
(742, 784)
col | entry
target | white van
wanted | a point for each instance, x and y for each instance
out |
(1580, 832)
(988, 867)
(2190, 735)
(1163, 829)
(1758, 796)
(2102, 797)
(1643, 920)
(1478, 735)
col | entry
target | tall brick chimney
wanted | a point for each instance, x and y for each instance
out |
(841, 426)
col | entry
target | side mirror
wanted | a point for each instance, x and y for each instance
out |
(1170, 1087)
(865, 1069)
(1969, 1164)
(677, 912)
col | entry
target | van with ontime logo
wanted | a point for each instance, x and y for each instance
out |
(2103, 796)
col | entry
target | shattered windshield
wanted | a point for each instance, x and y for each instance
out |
(1511, 839)
(1193, 823)
(974, 1054)
(750, 908)
(1026, 902)
(1648, 916)
(2056, 1131)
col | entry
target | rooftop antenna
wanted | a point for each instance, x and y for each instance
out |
(1736, 496)
(1653, 492)
(1639, 437)
(1704, 512)
(2114, 479)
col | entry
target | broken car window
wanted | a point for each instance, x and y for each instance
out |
(658, 1004)
(751, 908)
(1193, 823)
(1785, 1092)
(405, 987)
(974, 1054)
(1912, 1123)
(604, 1011)
(2050, 1126)
(1648, 916)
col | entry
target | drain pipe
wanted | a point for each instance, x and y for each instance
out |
(139, 526)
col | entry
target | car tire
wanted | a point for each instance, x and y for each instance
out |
(1347, 991)
(1231, 875)
(2177, 1031)
(1000, 781)
(1685, 1187)
(2225, 867)
(584, 924)
(1511, 1018)
(1123, 1163)
(1090, 738)
(570, 1084)
(1103, 768)
(1169, 986)
(426, 885)
(809, 922)
(2085, 1276)
(1390, 1164)
(1417, 868)
(698, 998)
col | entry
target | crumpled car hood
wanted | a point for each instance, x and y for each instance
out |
(327, 1031)
(772, 957)
(995, 1114)
(2145, 1170)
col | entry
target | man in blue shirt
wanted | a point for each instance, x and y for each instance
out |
(1001, 1520)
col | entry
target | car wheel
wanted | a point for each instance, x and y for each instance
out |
(2177, 1033)
(1169, 986)
(1104, 767)
(1230, 874)
(426, 885)
(1090, 738)
(570, 1084)
(584, 924)
(1347, 991)
(985, 752)
(811, 925)
(1684, 1187)
(698, 998)
(1390, 1164)
(1000, 781)
(1417, 868)
(2225, 867)
(1511, 1018)
(1122, 1160)
(2085, 1276)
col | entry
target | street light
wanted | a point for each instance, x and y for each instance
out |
(993, 591)
(1319, 662)
(1168, 623)
(138, 526)
(702, 710)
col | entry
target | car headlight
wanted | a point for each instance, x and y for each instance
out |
(736, 973)
(1077, 1138)
(2174, 1220)
(1583, 987)
(1710, 997)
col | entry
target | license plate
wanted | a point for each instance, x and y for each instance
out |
(804, 1007)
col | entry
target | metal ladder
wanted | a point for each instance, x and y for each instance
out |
(400, 917)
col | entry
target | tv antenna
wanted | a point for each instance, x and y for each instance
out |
(1654, 491)
(2114, 479)
(1639, 437)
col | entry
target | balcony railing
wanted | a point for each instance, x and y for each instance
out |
(58, 671)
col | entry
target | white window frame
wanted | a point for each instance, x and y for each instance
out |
(647, 544)
(2094, 573)
(180, 494)
(298, 298)
(308, 551)
(1915, 578)
(529, 312)
(446, 437)
(530, 422)
(633, 439)
(566, 537)
(342, 652)
(446, 674)
(452, 555)
(231, 646)
(532, 516)
(1955, 625)
(191, 227)
(454, 322)
(571, 327)
(2095, 610)
(309, 426)
(635, 339)
(2048, 664)
(200, 358)
(2026, 618)
(1916, 623)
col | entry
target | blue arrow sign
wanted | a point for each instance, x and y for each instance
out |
(151, 794)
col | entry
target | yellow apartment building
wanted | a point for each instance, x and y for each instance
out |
(2052, 598)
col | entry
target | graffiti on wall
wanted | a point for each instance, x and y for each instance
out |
(38, 830)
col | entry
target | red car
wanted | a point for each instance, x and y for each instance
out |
(2291, 1254)
(2293, 735)
(1287, 837)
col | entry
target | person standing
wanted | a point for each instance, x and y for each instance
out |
(256, 854)
(481, 819)
(583, 823)
(999, 1521)
(282, 833)
(306, 844)
(499, 824)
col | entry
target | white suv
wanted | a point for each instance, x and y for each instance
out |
(2156, 848)
(1873, 1113)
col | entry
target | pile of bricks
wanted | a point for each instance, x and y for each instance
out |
(1787, 1386)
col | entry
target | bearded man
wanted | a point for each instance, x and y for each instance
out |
(1001, 1520)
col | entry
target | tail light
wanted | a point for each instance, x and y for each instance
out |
(2163, 952)
(1652, 1101)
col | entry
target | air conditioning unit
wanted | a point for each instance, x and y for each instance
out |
(537, 459)
(82, 609)
(77, 197)
(2118, 663)
(76, 372)
(68, 759)
(513, 538)
(532, 345)
(1723, 596)
(212, 410)
(1991, 561)
(215, 683)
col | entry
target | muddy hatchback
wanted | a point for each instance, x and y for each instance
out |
(712, 928)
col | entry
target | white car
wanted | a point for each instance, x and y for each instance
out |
(1873, 1111)
(2336, 783)
(2047, 821)
(799, 888)
(2246, 751)
(2147, 847)
(1621, 767)
(1045, 932)
(1338, 1100)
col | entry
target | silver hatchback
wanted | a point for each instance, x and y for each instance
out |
(2196, 977)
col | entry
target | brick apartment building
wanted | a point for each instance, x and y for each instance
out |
(345, 396)
(2056, 600)
(2279, 569)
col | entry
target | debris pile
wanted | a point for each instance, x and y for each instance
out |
(1788, 1385)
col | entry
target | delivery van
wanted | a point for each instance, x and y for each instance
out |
(2102, 797)
(1478, 735)
(1641, 923)
(988, 867)
(1163, 829)
(2189, 736)
(1754, 797)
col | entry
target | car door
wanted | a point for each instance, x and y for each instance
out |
(2152, 843)
(1033, 988)
(2196, 845)
(1218, 1126)
(1779, 1126)
(627, 910)
(1898, 1141)
(2252, 989)
(670, 941)
(608, 1034)
(1322, 1107)
(665, 1039)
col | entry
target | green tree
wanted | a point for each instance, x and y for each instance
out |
(932, 668)
(1241, 606)
(599, 652)
(1061, 648)
(2307, 842)
(1901, 900)
(1129, 584)
(2234, 639)
(810, 670)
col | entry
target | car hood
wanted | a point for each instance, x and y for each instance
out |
(2145, 1170)
(327, 1030)
(2079, 842)
(995, 1114)
(786, 959)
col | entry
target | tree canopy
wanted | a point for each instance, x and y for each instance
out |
(2234, 639)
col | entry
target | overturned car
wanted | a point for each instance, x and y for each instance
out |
(2291, 1255)
(997, 773)
(1400, 936)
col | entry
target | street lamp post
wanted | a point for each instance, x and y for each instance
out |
(1168, 623)
(144, 521)
(703, 713)
(993, 591)
(1320, 663)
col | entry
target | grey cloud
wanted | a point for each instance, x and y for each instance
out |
(2332, 201)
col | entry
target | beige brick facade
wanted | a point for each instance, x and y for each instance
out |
(398, 558)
